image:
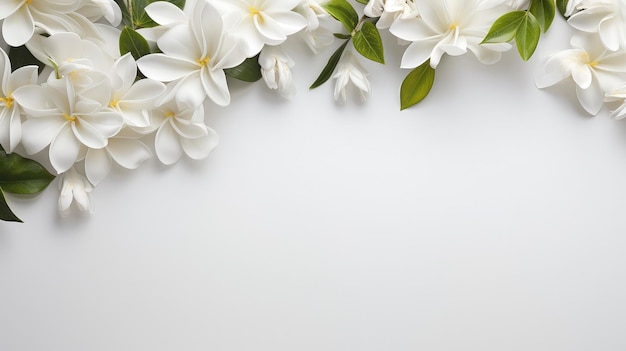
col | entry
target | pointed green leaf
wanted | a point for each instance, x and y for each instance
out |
(368, 43)
(343, 12)
(527, 36)
(20, 175)
(248, 71)
(562, 6)
(504, 28)
(544, 11)
(328, 70)
(20, 56)
(364, 2)
(5, 211)
(417, 85)
(342, 36)
(133, 42)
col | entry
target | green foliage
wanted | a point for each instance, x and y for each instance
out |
(343, 12)
(364, 2)
(330, 67)
(133, 42)
(521, 25)
(562, 6)
(22, 176)
(416, 85)
(20, 56)
(368, 43)
(544, 11)
(248, 71)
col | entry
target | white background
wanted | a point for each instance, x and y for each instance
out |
(489, 217)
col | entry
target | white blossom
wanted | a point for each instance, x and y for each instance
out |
(349, 70)
(390, 10)
(75, 189)
(276, 70)
(605, 17)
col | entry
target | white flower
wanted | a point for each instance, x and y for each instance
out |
(66, 119)
(593, 68)
(167, 15)
(276, 70)
(390, 10)
(264, 21)
(181, 129)
(130, 98)
(74, 186)
(349, 70)
(21, 17)
(572, 6)
(129, 153)
(317, 39)
(10, 111)
(449, 27)
(105, 8)
(313, 12)
(618, 94)
(195, 56)
(605, 17)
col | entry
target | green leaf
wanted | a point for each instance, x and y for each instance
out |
(562, 6)
(342, 36)
(527, 36)
(20, 175)
(368, 43)
(544, 11)
(417, 85)
(248, 71)
(20, 56)
(328, 70)
(126, 17)
(343, 12)
(364, 2)
(505, 27)
(133, 42)
(5, 211)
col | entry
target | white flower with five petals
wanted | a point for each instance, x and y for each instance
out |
(605, 17)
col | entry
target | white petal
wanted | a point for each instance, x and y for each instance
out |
(37, 133)
(582, 75)
(216, 87)
(64, 150)
(165, 68)
(592, 98)
(417, 53)
(19, 27)
(144, 92)
(88, 135)
(609, 32)
(97, 165)
(189, 90)
(165, 13)
(7, 7)
(167, 145)
(22, 76)
(201, 147)
(128, 153)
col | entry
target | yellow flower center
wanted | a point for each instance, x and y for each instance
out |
(113, 103)
(253, 11)
(593, 64)
(169, 114)
(7, 101)
(453, 26)
(203, 61)
(69, 118)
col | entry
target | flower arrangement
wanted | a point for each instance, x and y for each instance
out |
(88, 82)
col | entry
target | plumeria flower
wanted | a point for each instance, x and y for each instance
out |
(75, 189)
(10, 111)
(618, 94)
(390, 10)
(180, 129)
(349, 70)
(317, 39)
(572, 7)
(605, 17)
(127, 152)
(276, 70)
(129, 98)
(195, 56)
(450, 27)
(594, 69)
(167, 15)
(313, 12)
(21, 17)
(102, 8)
(66, 120)
(264, 21)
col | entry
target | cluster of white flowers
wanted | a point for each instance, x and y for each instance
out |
(92, 108)
(597, 61)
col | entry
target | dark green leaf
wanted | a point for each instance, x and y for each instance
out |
(20, 175)
(343, 12)
(133, 42)
(504, 28)
(527, 36)
(5, 211)
(342, 36)
(126, 18)
(328, 70)
(368, 43)
(544, 11)
(248, 71)
(417, 85)
(562, 6)
(364, 2)
(20, 56)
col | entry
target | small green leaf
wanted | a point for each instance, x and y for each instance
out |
(133, 42)
(544, 11)
(20, 175)
(364, 2)
(5, 211)
(562, 6)
(527, 36)
(342, 36)
(20, 56)
(504, 28)
(417, 85)
(343, 12)
(328, 70)
(368, 43)
(248, 71)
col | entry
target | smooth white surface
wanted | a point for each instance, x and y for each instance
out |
(489, 217)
